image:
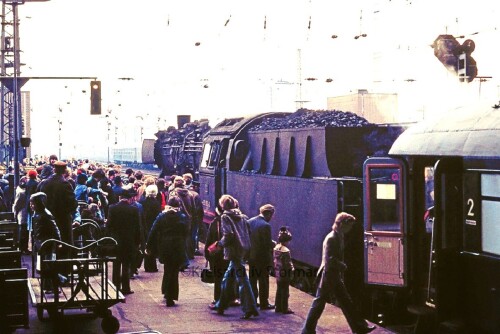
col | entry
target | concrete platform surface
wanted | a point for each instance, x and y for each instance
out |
(145, 311)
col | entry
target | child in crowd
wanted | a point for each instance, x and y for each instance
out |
(82, 191)
(44, 228)
(283, 268)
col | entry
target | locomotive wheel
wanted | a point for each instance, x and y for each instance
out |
(303, 282)
(110, 325)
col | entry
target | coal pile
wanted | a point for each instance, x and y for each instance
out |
(305, 118)
(173, 136)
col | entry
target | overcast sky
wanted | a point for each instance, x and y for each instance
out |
(247, 55)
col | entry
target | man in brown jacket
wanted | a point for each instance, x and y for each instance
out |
(193, 208)
(331, 282)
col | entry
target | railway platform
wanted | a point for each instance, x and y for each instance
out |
(145, 311)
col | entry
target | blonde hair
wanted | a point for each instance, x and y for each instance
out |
(179, 182)
(151, 191)
(149, 181)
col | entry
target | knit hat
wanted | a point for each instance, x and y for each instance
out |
(39, 197)
(32, 174)
(284, 235)
(81, 178)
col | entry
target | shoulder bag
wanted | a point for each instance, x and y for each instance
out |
(215, 248)
(207, 275)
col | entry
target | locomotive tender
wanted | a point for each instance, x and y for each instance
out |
(450, 269)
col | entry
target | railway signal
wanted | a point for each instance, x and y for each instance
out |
(455, 57)
(95, 97)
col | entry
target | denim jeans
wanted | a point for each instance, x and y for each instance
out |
(337, 289)
(237, 270)
(194, 236)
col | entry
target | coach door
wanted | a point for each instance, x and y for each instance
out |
(384, 219)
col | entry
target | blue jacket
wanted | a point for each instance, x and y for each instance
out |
(261, 250)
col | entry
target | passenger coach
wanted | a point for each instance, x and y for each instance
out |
(432, 226)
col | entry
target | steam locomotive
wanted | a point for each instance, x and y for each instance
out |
(444, 269)
(178, 150)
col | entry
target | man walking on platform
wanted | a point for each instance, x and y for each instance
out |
(61, 201)
(193, 208)
(124, 225)
(261, 255)
(330, 281)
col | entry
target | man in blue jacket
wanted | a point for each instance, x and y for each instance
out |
(261, 255)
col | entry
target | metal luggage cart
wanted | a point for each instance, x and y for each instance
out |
(88, 286)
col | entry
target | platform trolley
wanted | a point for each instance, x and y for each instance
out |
(63, 287)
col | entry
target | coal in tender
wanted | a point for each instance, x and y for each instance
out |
(305, 118)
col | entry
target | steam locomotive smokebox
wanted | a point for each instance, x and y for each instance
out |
(317, 152)
(182, 119)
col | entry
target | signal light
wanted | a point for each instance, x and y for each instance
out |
(467, 68)
(95, 97)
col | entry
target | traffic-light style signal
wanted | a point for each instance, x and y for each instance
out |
(95, 97)
(455, 57)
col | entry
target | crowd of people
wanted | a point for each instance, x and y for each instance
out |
(155, 218)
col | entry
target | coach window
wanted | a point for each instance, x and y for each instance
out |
(490, 211)
(385, 196)
(429, 187)
(210, 153)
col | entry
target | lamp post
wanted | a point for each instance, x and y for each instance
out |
(108, 122)
(141, 127)
(59, 122)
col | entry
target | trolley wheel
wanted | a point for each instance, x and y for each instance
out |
(61, 325)
(110, 325)
(102, 311)
(39, 313)
(52, 311)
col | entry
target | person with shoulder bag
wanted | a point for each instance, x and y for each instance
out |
(215, 256)
(236, 243)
